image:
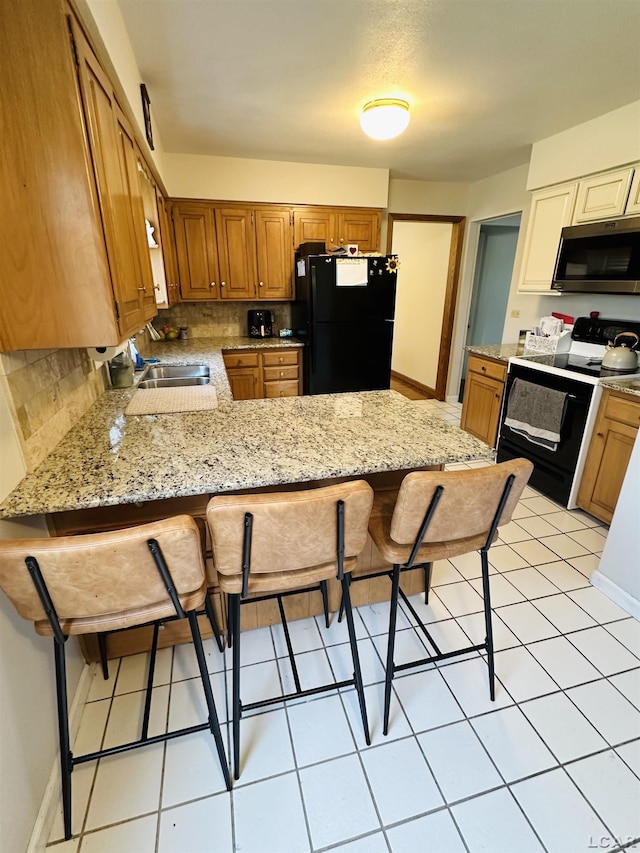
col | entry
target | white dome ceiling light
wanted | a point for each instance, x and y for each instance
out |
(385, 118)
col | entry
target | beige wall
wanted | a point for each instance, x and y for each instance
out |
(195, 176)
(28, 727)
(603, 143)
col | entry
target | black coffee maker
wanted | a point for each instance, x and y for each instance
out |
(260, 325)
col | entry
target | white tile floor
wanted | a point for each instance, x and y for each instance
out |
(553, 764)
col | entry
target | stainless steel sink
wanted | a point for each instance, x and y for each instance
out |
(174, 375)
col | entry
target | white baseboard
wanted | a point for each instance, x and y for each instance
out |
(452, 398)
(51, 798)
(618, 595)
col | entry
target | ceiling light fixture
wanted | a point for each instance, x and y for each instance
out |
(384, 118)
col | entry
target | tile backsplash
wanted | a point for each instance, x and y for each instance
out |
(48, 391)
(226, 319)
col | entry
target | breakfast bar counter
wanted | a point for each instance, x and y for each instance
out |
(111, 459)
(113, 469)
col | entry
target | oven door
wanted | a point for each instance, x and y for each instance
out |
(554, 470)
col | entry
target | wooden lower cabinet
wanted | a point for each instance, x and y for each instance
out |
(244, 374)
(264, 374)
(483, 392)
(613, 438)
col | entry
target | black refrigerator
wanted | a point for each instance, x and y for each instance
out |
(343, 312)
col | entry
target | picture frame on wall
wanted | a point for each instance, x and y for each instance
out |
(146, 113)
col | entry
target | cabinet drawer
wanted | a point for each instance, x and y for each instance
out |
(289, 371)
(488, 368)
(287, 388)
(273, 359)
(623, 409)
(240, 359)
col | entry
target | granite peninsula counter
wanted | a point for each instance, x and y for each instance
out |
(109, 458)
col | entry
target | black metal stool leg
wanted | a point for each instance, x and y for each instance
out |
(214, 723)
(393, 612)
(427, 581)
(102, 648)
(66, 764)
(325, 602)
(211, 614)
(234, 609)
(357, 672)
(487, 621)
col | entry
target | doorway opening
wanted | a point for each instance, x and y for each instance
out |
(495, 257)
(429, 250)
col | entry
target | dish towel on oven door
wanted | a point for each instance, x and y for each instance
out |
(536, 413)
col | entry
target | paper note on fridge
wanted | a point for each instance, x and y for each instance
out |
(351, 272)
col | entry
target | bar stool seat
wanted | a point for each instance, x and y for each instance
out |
(99, 582)
(435, 515)
(272, 545)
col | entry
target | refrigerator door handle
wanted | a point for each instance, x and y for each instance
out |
(386, 320)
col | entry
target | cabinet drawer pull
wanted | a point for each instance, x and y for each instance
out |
(483, 368)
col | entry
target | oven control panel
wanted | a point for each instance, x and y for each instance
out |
(600, 330)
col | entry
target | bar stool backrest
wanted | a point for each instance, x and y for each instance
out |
(467, 506)
(106, 581)
(290, 530)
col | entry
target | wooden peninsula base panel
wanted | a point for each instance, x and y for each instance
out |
(133, 641)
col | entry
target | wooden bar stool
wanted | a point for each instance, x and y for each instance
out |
(269, 546)
(98, 582)
(436, 515)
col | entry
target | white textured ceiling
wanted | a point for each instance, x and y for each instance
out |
(285, 79)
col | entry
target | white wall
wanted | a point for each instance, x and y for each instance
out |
(618, 574)
(603, 143)
(28, 722)
(197, 176)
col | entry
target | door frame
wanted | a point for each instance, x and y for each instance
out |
(451, 290)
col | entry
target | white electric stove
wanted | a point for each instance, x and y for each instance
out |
(579, 374)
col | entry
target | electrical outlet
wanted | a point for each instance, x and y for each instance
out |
(515, 314)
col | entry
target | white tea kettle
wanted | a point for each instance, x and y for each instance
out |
(622, 356)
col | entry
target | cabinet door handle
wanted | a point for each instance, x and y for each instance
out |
(213, 284)
(143, 289)
(222, 283)
(261, 283)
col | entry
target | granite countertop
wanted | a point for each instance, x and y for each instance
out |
(109, 458)
(501, 352)
(628, 386)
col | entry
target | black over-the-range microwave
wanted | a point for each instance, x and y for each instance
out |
(602, 257)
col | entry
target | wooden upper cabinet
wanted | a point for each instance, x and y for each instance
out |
(167, 243)
(236, 253)
(115, 166)
(196, 250)
(314, 224)
(338, 226)
(274, 246)
(361, 228)
(56, 287)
